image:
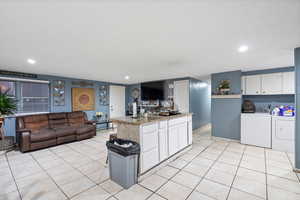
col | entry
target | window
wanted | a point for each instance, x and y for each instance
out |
(10, 86)
(34, 97)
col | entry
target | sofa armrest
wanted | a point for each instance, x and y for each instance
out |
(91, 122)
(20, 131)
(25, 141)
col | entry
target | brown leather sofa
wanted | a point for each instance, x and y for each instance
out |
(45, 130)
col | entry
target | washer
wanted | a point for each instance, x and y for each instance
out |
(283, 133)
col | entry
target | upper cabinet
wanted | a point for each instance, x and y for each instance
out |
(288, 83)
(253, 85)
(268, 84)
(271, 83)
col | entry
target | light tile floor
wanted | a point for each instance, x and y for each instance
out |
(213, 169)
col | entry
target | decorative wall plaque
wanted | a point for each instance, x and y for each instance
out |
(83, 99)
(59, 93)
(103, 95)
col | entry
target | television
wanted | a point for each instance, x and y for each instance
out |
(152, 91)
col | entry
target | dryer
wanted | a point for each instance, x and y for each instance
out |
(283, 133)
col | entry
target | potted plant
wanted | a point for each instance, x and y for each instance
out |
(224, 87)
(7, 104)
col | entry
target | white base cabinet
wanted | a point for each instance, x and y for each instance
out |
(256, 129)
(162, 139)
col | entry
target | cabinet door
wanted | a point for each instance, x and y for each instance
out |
(271, 83)
(253, 84)
(182, 136)
(163, 144)
(243, 84)
(190, 131)
(149, 159)
(288, 82)
(173, 139)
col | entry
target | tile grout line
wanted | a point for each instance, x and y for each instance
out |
(179, 170)
(207, 172)
(97, 184)
(237, 169)
(298, 178)
(266, 174)
(7, 160)
(49, 176)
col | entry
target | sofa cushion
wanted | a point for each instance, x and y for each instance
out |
(36, 122)
(85, 129)
(42, 135)
(65, 131)
(57, 120)
(76, 118)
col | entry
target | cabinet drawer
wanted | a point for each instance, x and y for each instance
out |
(150, 128)
(150, 140)
(189, 118)
(149, 159)
(163, 124)
(176, 121)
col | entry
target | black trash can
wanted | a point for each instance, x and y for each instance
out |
(123, 159)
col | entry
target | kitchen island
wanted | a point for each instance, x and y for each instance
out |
(160, 137)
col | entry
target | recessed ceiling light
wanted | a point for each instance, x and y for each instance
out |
(243, 48)
(31, 61)
(127, 77)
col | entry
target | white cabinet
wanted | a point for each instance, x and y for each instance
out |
(271, 83)
(173, 140)
(149, 146)
(190, 130)
(163, 142)
(283, 133)
(288, 83)
(268, 84)
(256, 129)
(253, 84)
(149, 159)
(182, 135)
(178, 135)
(181, 95)
(243, 84)
(162, 139)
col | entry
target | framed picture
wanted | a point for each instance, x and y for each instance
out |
(58, 93)
(83, 99)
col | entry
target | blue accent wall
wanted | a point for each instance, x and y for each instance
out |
(200, 104)
(234, 77)
(226, 118)
(128, 90)
(297, 132)
(9, 126)
(226, 113)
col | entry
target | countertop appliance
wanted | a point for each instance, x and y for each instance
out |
(248, 107)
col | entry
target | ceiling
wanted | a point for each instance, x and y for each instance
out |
(146, 39)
